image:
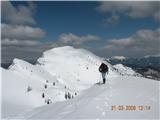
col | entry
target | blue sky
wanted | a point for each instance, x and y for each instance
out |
(108, 23)
(82, 18)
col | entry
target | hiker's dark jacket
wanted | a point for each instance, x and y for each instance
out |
(103, 68)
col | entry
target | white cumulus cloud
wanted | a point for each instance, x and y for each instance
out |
(21, 32)
(76, 40)
(143, 42)
(133, 9)
(19, 37)
(18, 15)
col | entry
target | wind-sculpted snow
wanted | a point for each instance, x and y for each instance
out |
(69, 75)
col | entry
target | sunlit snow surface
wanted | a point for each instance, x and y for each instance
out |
(67, 69)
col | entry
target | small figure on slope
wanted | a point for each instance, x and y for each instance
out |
(103, 68)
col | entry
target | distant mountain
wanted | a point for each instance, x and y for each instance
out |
(5, 65)
(143, 62)
(121, 58)
(148, 66)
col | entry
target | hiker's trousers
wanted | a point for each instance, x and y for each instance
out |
(104, 77)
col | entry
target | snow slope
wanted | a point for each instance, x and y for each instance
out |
(60, 71)
(124, 70)
(97, 101)
(15, 97)
(76, 68)
(22, 87)
(66, 70)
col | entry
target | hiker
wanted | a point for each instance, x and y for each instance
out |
(103, 69)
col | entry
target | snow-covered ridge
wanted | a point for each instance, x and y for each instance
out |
(60, 74)
(60, 71)
(137, 96)
(75, 64)
(124, 70)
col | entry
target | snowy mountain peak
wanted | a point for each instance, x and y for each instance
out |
(61, 49)
(148, 56)
(18, 64)
(18, 61)
(68, 51)
(73, 66)
(118, 57)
